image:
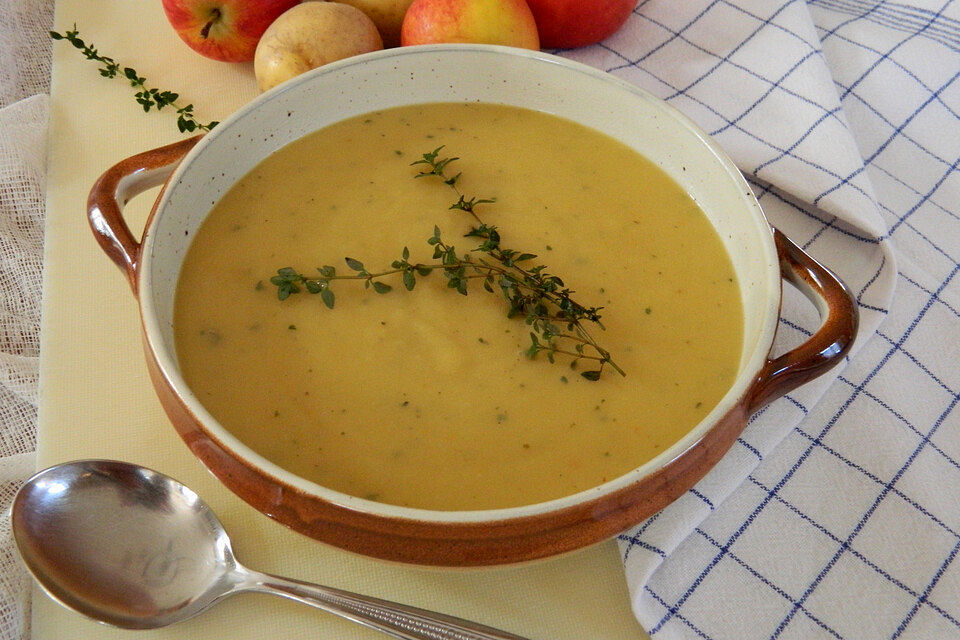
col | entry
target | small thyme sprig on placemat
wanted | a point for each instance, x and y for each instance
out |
(147, 97)
(542, 299)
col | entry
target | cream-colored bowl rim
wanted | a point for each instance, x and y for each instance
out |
(751, 363)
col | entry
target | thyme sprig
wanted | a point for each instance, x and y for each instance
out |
(147, 97)
(546, 304)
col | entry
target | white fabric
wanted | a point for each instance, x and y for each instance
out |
(24, 82)
(837, 513)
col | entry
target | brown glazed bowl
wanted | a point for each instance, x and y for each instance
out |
(198, 171)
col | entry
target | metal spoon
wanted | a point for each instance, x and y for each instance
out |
(136, 549)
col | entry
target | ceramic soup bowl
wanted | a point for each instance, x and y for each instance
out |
(198, 171)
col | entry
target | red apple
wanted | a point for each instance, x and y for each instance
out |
(504, 22)
(225, 30)
(565, 24)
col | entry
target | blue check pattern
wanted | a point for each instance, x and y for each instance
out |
(837, 513)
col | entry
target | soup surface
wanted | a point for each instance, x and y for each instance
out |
(425, 398)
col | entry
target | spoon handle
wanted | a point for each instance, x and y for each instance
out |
(397, 620)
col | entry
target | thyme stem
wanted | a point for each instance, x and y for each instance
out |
(541, 298)
(147, 97)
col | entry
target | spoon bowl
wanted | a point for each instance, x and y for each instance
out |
(136, 549)
(123, 544)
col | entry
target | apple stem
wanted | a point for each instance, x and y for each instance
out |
(214, 16)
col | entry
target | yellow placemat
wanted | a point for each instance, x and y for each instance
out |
(96, 399)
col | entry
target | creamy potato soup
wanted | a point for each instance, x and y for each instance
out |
(426, 398)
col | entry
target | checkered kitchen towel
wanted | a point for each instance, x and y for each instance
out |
(837, 513)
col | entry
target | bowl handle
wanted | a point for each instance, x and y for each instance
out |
(117, 186)
(827, 346)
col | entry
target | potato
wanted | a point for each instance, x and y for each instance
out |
(310, 35)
